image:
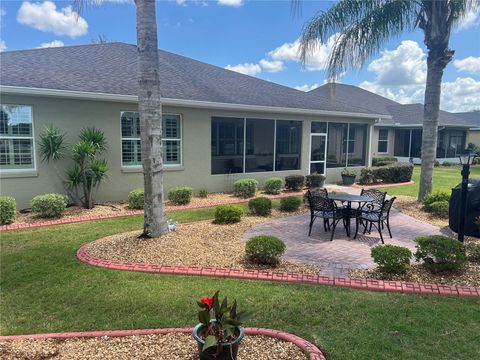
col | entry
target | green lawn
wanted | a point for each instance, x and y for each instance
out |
(46, 289)
(444, 178)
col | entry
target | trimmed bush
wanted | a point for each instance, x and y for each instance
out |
(136, 199)
(264, 250)
(273, 186)
(245, 188)
(203, 193)
(396, 172)
(181, 195)
(440, 253)
(447, 164)
(391, 258)
(49, 205)
(260, 206)
(439, 208)
(8, 209)
(290, 203)
(473, 252)
(314, 180)
(434, 197)
(436, 163)
(377, 161)
(294, 182)
(227, 214)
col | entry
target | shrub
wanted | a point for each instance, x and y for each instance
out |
(436, 163)
(290, 203)
(434, 197)
(439, 208)
(376, 161)
(314, 180)
(265, 250)
(8, 208)
(227, 214)
(393, 173)
(260, 206)
(180, 195)
(439, 253)
(203, 193)
(294, 182)
(49, 205)
(273, 186)
(391, 258)
(447, 164)
(136, 199)
(245, 188)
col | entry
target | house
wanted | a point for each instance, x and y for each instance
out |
(218, 125)
(401, 135)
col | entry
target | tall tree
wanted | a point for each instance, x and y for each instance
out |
(363, 27)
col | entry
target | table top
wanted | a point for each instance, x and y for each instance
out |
(350, 198)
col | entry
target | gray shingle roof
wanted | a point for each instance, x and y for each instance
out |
(112, 69)
(402, 114)
(472, 118)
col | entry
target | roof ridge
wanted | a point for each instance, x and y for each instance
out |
(65, 46)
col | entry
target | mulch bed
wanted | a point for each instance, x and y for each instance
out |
(172, 346)
(200, 244)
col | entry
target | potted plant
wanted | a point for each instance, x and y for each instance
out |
(219, 332)
(348, 177)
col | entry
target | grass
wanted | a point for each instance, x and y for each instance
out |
(444, 178)
(46, 289)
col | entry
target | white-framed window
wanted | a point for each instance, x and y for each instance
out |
(16, 138)
(171, 139)
(382, 141)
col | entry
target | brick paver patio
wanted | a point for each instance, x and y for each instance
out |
(337, 257)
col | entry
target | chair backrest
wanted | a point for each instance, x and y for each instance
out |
(318, 200)
(387, 206)
(377, 196)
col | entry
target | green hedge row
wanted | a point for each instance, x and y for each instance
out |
(397, 172)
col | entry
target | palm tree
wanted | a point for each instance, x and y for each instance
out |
(364, 26)
(150, 111)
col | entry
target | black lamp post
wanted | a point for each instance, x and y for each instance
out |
(466, 160)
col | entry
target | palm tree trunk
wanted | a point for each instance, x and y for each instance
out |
(150, 110)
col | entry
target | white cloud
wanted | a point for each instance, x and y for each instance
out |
(307, 87)
(470, 64)
(3, 46)
(45, 17)
(469, 20)
(271, 66)
(234, 3)
(51, 44)
(3, 12)
(181, 2)
(246, 68)
(317, 61)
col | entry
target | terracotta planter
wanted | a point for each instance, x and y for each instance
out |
(348, 179)
(230, 349)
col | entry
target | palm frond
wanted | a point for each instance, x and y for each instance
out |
(362, 27)
(51, 144)
(460, 8)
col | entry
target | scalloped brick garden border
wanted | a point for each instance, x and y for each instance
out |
(251, 274)
(112, 215)
(304, 345)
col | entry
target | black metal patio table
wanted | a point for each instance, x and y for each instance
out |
(349, 199)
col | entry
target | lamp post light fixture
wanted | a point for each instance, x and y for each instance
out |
(466, 159)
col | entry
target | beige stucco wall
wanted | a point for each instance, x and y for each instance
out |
(391, 140)
(72, 115)
(473, 136)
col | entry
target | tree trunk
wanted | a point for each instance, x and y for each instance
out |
(437, 29)
(150, 110)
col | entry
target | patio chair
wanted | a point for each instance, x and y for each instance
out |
(378, 199)
(323, 207)
(377, 218)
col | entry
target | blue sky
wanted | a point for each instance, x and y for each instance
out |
(254, 37)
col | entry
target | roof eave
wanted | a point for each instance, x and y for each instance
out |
(19, 90)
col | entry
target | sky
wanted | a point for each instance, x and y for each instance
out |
(257, 38)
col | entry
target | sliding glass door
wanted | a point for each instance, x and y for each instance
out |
(318, 150)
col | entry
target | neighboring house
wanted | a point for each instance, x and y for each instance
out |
(218, 125)
(401, 135)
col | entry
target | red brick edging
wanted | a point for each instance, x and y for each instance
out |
(306, 346)
(83, 218)
(251, 274)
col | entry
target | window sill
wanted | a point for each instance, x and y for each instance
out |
(139, 169)
(18, 174)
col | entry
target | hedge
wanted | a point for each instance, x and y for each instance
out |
(380, 161)
(245, 188)
(136, 199)
(393, 173)
(49, 205)
(181, 195)
(8, 209)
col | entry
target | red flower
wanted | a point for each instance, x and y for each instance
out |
(207, 301)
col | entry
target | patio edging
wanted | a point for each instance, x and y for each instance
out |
(252, 274)
(83, 218)
(314, 352)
